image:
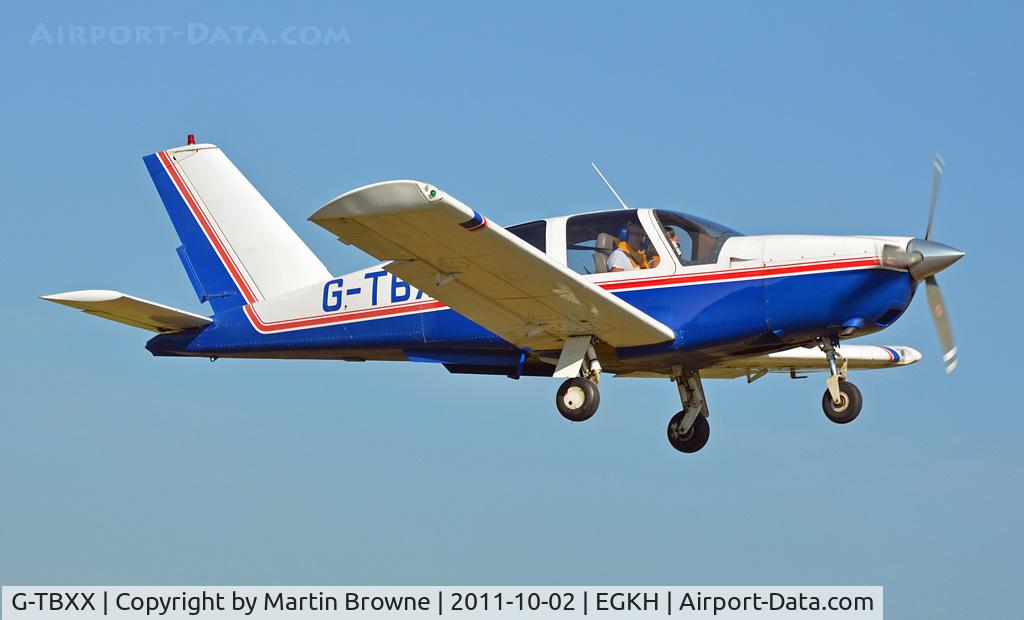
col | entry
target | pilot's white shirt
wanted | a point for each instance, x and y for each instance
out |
(618, 259)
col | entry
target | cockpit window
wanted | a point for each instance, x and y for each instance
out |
(694, 239)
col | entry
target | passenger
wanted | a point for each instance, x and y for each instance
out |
(629, 254)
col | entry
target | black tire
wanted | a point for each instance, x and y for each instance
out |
(577, 399)
(849, 406)
(692, 441)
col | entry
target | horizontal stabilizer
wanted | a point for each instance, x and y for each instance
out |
(130, 310)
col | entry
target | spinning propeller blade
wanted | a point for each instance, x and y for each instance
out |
(937, 165)
(942, 324)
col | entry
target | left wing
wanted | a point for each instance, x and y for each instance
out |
(801, 359)
(481, 270)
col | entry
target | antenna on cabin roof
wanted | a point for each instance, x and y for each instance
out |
(615, 193)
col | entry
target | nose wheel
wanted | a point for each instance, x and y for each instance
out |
(848, 407)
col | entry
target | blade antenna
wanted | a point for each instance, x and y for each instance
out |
(614, 193)
(938, 165)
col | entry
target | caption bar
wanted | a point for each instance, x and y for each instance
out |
(192, 602)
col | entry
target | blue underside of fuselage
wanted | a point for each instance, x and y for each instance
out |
(715, 318)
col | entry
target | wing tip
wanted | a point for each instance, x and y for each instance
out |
(906, 355)
(383, 198)
(88, 295)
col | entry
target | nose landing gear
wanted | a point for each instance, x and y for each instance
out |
(842, 400)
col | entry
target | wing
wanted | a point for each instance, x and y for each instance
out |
(800, 359)
(481, 270)
(130, 310)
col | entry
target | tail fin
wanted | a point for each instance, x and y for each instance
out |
(235, 248)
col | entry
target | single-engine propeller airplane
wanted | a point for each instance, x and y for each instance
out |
(633, 292)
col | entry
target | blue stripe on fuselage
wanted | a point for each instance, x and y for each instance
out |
(704, 316)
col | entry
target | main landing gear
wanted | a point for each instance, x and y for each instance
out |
(577, 398)
(688, 430)
(842, 400)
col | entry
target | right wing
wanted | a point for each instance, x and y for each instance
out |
(481, 270)
(800, 359)
(130, 310)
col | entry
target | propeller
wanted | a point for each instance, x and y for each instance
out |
(926, 258)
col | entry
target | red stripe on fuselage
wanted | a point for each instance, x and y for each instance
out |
(353, 315)
(730, 274)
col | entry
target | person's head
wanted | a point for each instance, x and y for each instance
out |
(635, 236)
(673, 240)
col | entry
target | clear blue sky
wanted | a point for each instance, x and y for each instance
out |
(119, 468)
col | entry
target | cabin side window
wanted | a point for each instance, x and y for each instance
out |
(591, 240)
(534, 233)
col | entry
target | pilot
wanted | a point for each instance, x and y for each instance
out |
(630, 253)
(673, 240)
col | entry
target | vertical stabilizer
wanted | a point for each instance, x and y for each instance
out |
(235, 248)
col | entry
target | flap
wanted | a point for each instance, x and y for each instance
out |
(481, 270)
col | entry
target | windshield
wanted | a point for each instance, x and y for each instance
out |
(694, 239)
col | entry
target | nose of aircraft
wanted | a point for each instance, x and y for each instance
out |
(928, 258)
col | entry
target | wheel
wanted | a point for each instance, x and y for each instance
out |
(577, 399)
(692, 441)
(850, 402)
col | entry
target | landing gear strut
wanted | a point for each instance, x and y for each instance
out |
(842, 400)
(577, 398)
(688, 430)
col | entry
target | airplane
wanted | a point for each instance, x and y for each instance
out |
(534, 299)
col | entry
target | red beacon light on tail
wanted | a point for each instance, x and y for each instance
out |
(191, 139)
